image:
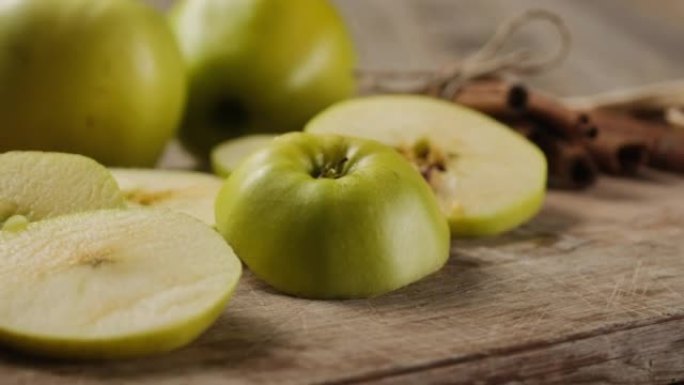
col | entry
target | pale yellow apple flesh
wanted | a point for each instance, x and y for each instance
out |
(228, 155)
(40, 185)
(112, 283)
(487, 178)
(192, 193)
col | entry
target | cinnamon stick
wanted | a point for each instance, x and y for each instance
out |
(668, 151)
(556, 116)
(493, 97)
(624, 124)
(617, 153)
(524, 127)
(569, 163)
(663, 147)
(665, 144)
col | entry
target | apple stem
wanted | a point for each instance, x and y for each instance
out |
(333, 171)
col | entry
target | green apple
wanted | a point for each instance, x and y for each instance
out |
(103, 78)
(259, 66)
(38, 185)
(189, 192)
(332, 217)
(487, 178)
(112, 283)
(228, 155)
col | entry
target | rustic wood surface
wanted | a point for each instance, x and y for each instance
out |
(591, 291)
(588, 292)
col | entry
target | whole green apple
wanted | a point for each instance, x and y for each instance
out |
(332, 217)
(259, 66)
(103, 78)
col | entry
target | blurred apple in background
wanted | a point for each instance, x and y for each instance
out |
(102, 78)
(259, 66)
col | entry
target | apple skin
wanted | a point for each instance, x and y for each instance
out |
(259, 66)
(159, 341)
(101, 78)
(369, 227)
(487, 158)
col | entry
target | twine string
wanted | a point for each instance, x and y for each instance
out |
(489, 60)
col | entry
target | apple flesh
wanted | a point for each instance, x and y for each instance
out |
(40, 185)
(228, 155)
(487, 178)
(102, 78)
(112, 283)
(332, 217)
(259, 66)
(189, 192)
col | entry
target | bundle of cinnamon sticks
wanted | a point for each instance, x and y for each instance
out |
(578, 143)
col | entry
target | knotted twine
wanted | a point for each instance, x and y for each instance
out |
(492, 60)
(489, 61)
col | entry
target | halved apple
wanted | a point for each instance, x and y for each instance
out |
(487, 178)
(190, 192)
(228, 155)
(112, 283)
(40, 185)
(331, 217)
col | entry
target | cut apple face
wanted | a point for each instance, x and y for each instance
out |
(39, 185)
(487, 178)
(192, 193)
(112, 283)
(228, 155)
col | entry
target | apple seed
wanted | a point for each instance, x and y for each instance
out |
(426, 157)
(15, 224)
(148, 198)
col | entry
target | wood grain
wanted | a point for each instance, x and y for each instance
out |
(591, 290)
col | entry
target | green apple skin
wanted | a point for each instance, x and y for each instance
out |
(330, 217)
(491, 157)
(259, 66)
(134, 346)
(101, 78)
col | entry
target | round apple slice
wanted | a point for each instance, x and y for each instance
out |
(40, 185)
(112, 283)
(192, 193)
(487, 178)
(228, 155)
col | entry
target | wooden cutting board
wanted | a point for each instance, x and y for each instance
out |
(592, 290)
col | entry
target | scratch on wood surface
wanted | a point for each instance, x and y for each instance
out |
(635, 277)
(539, 318)
(616, 290)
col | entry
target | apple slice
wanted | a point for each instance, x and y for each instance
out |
(112, 283)
(487, 178)
(228, 155)
(40, 185)
(193, 193)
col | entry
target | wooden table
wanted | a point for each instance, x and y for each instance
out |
(591, 291)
